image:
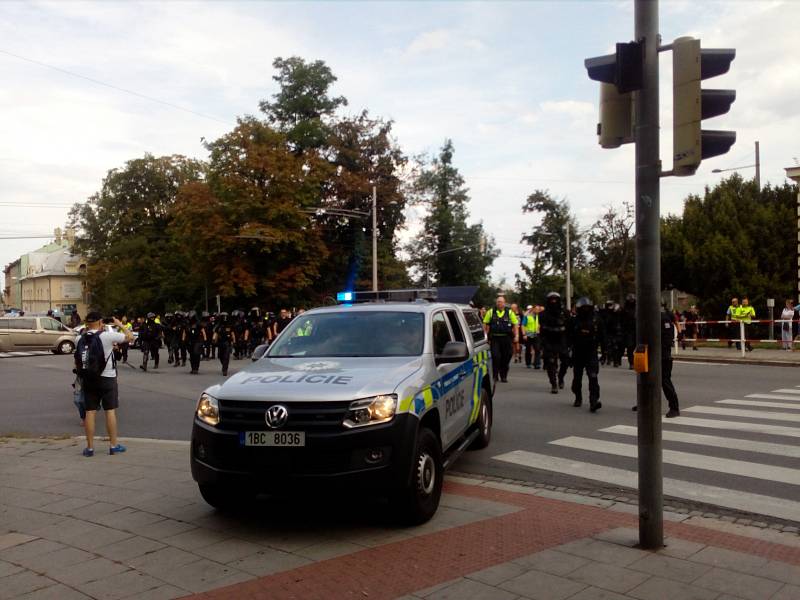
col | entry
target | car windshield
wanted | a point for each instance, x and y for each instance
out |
(352, 333)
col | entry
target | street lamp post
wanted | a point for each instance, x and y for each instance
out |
(757, 166)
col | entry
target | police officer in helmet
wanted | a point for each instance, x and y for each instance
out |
(553, 328)
(585, 336)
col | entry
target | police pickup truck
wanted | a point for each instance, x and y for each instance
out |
(385, 394)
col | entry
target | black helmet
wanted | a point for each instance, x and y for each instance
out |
(553, 295)
(583, 301)
(192, 314)
(630, 298)
(167, 315)
(204, 314)
(151, 315)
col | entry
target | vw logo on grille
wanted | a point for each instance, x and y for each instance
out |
(276, 416)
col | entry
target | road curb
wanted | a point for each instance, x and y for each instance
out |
(736, 361)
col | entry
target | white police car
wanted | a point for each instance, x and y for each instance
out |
(385, 394)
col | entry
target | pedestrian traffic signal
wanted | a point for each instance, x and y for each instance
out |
(619, 74)
(691, 104)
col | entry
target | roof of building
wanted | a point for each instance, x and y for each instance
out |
(56, 264)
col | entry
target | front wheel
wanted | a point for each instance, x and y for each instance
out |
(419, 502)
(65, 347)
(484, 423)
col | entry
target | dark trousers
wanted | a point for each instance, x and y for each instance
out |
(533, 349)
(502, 350)
(555, 371)
(225, 358)
(150, 350)
(591, 365)
(666, 381)
(195, 352)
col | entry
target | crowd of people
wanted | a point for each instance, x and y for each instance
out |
(198, 337)
(581, 339)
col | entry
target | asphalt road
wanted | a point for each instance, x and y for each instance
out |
(36, 398)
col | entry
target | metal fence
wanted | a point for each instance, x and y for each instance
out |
(764, 331)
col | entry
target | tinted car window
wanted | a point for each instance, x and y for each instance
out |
(22, 323)
(455, 326)
(368, 334)
(441, 333)
(475, 326)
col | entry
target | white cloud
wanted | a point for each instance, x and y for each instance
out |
(429, 41)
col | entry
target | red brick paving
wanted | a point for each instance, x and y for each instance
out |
(403, 567)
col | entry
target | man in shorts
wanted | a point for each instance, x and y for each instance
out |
(103, 392)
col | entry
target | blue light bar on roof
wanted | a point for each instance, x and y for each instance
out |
(344, 297)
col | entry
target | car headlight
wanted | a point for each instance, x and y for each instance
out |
(208, 409)
(371, 411)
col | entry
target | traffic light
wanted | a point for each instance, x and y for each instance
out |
(691, 104)
(620, 74)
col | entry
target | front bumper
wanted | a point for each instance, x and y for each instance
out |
(218, 458)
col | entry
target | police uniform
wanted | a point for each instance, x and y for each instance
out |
(628, 323)
(553, 327)
(667, 339)
(225, 339)
(533, 347)
(194, 339)
(501, 331)
(585, 335)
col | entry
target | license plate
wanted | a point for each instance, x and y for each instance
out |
(273, 438)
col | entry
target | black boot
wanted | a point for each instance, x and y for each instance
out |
(594, 406)
(554, 389)
(578, 402)
(672, 413)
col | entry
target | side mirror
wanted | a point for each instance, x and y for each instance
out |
(453, 352)
(259, 351)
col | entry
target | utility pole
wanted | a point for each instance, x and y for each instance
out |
(648, 279)
(758, 168)
(569, 273)
(374, 238)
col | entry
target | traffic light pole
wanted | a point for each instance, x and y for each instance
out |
(648, 279)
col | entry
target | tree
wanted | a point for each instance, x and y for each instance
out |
(248, 225)
(735, 240)
(123, 230)
(612, 248)
(302, 107)
(449, 250)
(548, 243)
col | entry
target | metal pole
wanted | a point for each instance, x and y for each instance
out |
(758, 168)
(648, 280)
(374, 239)
(569, 281)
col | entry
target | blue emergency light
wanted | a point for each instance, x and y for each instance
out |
(344, 297)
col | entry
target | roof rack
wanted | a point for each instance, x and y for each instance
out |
(455, 294)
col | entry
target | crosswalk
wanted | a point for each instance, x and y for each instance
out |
(30, 353)
(701, 434)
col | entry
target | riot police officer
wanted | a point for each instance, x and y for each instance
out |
(502, 327)
(585, 335)
(150, 336)
(224, 339)
(553, 331)
(194, 338)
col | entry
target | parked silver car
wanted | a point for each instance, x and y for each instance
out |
(36, 333)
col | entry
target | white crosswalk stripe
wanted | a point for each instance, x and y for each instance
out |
(688, 490)
(764, 428)
(759, 404)
(715, 440)
(21, 354)
(772, 397)
(688, 459)
(775, 414)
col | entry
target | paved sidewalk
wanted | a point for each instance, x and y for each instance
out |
(759, 356)
(134, 526)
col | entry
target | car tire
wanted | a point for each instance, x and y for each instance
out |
(65, 347)
(220, 497)
(419, 502)
(484, 423)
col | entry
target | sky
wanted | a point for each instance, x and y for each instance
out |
(88, 86)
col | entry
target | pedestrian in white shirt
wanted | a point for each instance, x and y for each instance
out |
(786, 327)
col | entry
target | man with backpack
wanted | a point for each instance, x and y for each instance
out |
(97, 369)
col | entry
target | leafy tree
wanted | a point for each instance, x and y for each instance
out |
(123, 230)
(450, 251)
(548, 242)
(303, 106)
(611, 244)
(733, 241)
(247, 225)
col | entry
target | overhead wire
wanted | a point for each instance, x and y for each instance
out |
(114, 87)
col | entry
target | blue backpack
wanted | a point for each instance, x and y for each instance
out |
(90, 356)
